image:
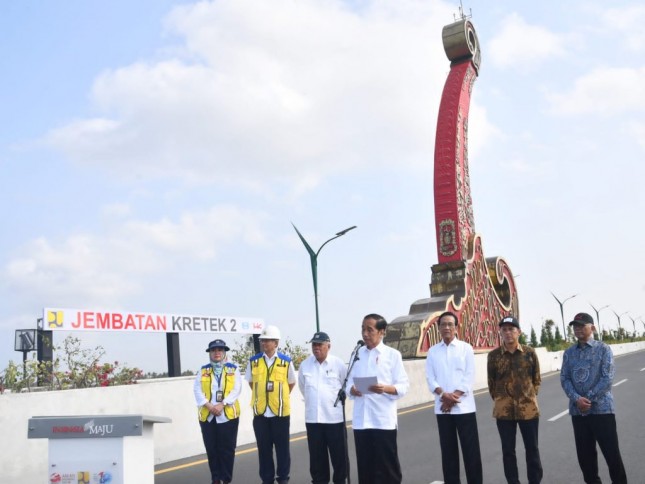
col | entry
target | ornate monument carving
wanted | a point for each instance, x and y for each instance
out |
(480, 290)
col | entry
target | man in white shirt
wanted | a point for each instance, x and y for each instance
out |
(450, 372)
(320, 378)
(375, 419)
(271, 377)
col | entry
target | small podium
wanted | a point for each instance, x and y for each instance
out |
(98, 449)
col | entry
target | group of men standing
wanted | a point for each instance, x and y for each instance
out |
(378, 379)
(513, 383)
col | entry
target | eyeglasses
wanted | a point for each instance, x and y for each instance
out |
(447, 325)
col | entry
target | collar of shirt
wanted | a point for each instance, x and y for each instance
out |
(378, 348)
(452, 343)
(519, 348)
(269, 360)
(591, 342)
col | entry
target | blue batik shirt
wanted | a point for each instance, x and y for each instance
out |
(588, 371)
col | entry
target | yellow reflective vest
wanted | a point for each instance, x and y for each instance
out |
(228, 378)
(278, 377)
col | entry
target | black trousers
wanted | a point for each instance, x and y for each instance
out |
(507, 432)
(270, 433)
(588, 430)
(325, 442)
(220, 440)
(455, 429)
(377, 457)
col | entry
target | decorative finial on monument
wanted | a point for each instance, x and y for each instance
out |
(460, 41)
(462, 16)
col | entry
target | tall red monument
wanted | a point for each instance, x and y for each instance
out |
(480, 290)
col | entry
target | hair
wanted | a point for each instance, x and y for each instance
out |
(448, 313)
(381, 323)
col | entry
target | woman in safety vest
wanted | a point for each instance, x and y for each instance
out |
(217, 388)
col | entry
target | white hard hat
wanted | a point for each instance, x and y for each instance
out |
(270, 332)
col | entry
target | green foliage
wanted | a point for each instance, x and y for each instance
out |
(533, 342)
(241, 353)
(71, 367)
(548, 340)
(243, 350)
(297, 353)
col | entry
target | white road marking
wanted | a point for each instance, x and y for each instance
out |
(621, 381)
(436, 482)
(642, 369)
(560, 415)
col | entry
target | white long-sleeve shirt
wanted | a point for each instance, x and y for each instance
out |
(319, 383)
(452, 367)
(201, 399)
(378, 410)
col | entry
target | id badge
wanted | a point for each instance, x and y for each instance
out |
(219, 396)
(269, 386)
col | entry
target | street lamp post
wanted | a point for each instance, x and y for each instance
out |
(598, 318)
(314, 263)
(561, 303)
(618, 316)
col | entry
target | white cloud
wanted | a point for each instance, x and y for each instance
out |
(627, 21)
(102, 269)
(84, 266)
(272, 91)
(116, 210)
(481, 132)
(638, 132)
(200, 233)
(520, 44)
(603, 91)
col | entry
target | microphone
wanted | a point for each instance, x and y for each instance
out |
(352, 359)
(358, 346)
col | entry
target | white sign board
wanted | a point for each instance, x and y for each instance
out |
(66, 319)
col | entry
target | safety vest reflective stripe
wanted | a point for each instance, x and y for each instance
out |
(278, 399)
(228, 374)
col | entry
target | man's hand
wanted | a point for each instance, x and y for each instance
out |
(378, 388)
(355, 392)
(583, 404)
(449, 400)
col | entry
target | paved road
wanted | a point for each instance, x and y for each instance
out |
(419, 445)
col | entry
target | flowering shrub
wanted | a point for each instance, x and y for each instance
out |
(71, 367)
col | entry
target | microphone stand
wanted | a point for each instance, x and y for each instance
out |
(342, 396)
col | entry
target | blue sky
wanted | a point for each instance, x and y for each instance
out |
(153, 155)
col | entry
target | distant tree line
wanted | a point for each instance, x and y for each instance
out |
(551, 337)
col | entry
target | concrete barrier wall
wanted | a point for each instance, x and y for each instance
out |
(25, 460)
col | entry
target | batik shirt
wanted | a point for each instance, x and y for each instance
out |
(588, 371)
(513, 382)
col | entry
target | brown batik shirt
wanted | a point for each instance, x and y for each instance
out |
(513, 382)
